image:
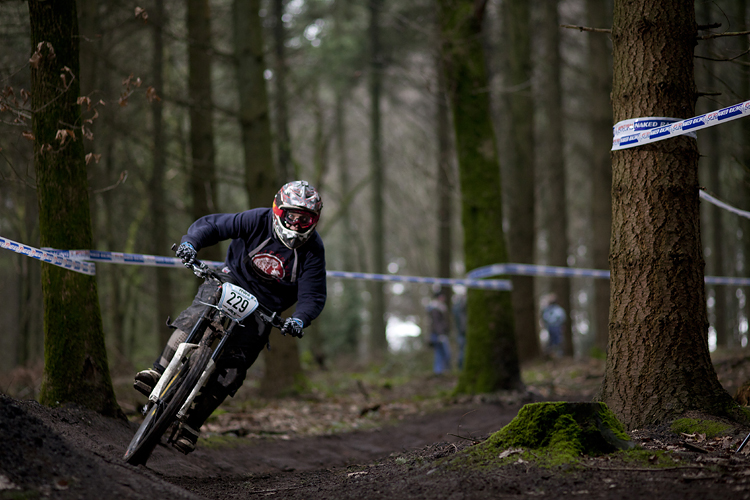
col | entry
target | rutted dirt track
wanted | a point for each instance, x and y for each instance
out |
(71, 453)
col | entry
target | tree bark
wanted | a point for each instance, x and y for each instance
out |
(283, 369)
(157, 194)
(658, 363)
(75, 367)
(600, 109)
(491, 359)
(283, 143)
(260, 174)
(551, 159)
(378, 341)
(445, 182)
(203, 173)
(521, 173)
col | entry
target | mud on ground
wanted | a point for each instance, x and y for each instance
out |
(72, 453)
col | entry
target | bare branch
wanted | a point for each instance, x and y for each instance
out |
(586, 28)
(718, 35)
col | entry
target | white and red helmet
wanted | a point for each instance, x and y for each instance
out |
(296, 210)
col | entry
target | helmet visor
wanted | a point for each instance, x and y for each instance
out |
(298, 220)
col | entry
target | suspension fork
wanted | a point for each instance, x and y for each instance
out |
(210, 367)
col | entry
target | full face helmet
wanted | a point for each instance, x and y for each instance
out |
(296, 210)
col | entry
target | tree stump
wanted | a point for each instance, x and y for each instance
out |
(568, 429)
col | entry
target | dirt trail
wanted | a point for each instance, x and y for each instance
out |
(70, 452)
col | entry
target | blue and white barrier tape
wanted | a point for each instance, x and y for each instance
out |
(705, 196)
(533, 270)
(623, 140)
(470, 283)
(77, 260)
(127, 258)
(49, 257)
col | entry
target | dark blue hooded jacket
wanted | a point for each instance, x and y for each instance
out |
(276, 275)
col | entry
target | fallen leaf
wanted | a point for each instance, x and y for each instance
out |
(92, 157)
(509, 452)
(28, 135)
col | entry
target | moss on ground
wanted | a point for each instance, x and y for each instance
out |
(552, 434)
(711, 428)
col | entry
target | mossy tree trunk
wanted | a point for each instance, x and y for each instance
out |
(261, 181)
(520, 171)
(203, 173)
(378, 340)
(658, 362)
(157, 192)
(491, 359)
(282, 365)
(75, 358)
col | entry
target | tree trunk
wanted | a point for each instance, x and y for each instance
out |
(745, 153)
(282, 365)
(551, 159)
(260, 175)
(445, 182)
(521, 173)
(378, 341)
(658, 363)
(491, 359)
(161, 244)
(75, 368)
(600, 112)
(203, 173)
(283, 144)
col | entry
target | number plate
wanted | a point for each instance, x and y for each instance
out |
(236, 302)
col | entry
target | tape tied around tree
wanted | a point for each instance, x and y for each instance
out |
(639, 131)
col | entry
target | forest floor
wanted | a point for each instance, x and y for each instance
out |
(361, 436)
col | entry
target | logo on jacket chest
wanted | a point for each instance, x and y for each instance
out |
(268, 266)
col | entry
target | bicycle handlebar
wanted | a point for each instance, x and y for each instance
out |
(201, 270)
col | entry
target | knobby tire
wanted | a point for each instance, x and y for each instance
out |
(159, 418)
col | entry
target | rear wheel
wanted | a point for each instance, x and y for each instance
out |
(160, 415)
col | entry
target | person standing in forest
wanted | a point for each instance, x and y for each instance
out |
(459, 318)
(438, 312)
(554, 317)
(275, 254)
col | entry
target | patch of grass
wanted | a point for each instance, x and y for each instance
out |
(647, 458)
(711, 428)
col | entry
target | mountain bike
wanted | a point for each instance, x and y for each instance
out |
(193, 363)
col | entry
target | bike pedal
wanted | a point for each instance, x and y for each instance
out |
(142, 388)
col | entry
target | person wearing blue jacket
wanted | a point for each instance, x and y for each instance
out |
(278, 256)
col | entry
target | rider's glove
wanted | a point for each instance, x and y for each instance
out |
(187, 252)
(293, 326)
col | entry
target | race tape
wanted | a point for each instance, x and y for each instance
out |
(705, 196)
(469, 283)
(153, 260)
(626, 137)
(50, 257)
(82, 261)
(127, 258)
(534, 270)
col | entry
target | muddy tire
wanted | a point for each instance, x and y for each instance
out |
(160, 416)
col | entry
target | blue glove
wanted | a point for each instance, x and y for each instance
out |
(187, 252)
(293, 326)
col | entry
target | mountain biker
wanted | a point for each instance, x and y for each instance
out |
(276, 255)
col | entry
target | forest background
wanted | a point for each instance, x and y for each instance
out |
(544, 79)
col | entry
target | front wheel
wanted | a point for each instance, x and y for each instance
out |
(160, 415)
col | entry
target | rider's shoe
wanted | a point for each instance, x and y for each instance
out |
(186, 439)
(146, 380)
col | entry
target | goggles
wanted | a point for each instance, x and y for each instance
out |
(297, 219)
